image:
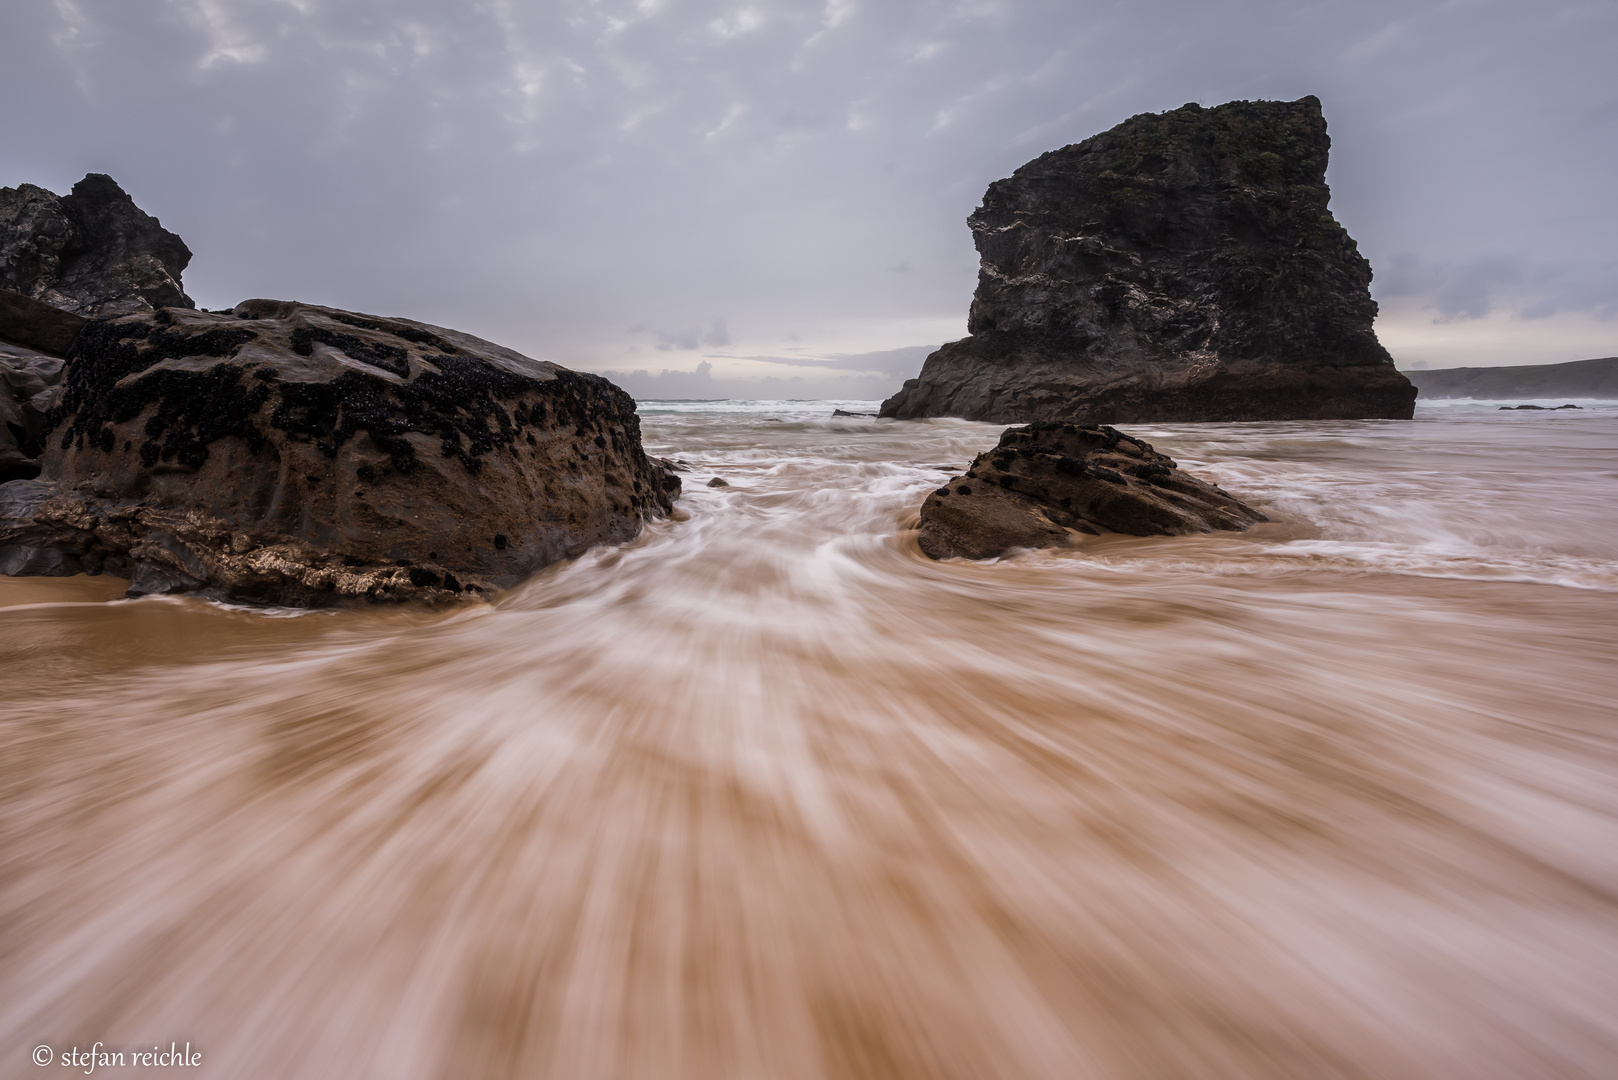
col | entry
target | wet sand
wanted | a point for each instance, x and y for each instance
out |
(769, 794)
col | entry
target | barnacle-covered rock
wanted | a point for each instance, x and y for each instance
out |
(295, 454)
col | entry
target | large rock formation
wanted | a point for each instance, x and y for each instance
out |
(294, 454)
(1047, 481)
(1181, 266)
(92, 252)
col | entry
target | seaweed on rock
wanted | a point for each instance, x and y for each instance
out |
(195, 464)
(192, 408)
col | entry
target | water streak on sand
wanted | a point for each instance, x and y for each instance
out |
(768, 794)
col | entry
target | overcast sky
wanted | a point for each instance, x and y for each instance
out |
(740, 192)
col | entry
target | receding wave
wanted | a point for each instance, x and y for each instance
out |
(767, 793)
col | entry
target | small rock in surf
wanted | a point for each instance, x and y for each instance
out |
(1046, 481)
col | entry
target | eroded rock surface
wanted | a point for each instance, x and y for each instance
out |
(294, 454)
(92, 252)
(1181, 266)
(1046, 479)
(30, 382)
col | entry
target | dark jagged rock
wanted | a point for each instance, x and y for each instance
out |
(1181, 266)
(293, 454)
(92, 252)
(1046, 479)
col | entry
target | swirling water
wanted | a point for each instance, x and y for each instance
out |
(766, 793)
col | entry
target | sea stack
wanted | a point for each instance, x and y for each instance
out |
(1183, 266)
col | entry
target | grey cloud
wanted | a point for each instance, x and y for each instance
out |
(669, 384)
(1604, 113)
(691, 338)
(1466, 290)
(546, 174)
(718, 334)
(1473, 288)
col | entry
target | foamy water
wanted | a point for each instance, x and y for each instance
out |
(767, 793)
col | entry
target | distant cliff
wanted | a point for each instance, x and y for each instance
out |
(1181, 266)
(1580, 378)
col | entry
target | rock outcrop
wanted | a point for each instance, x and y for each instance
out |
(293, 454)
(1181, 266)
(92, 252)
(1046, 481)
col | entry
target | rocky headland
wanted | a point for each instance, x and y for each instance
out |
(288, 453)
(1578, 378)
(1179, 267)
(1046, 481)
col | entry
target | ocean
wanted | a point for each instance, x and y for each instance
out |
(768, 794)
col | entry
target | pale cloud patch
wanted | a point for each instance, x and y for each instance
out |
(1389, 37)
(74, 39)
(733, 114)
(75, 29)
(636, 117)
(737, 24)
(837, 13)
(422, 41)
(948, 115)
(228, 41)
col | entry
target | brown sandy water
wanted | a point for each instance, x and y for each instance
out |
(768, 794)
